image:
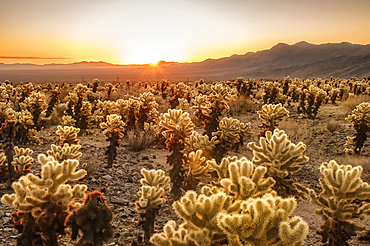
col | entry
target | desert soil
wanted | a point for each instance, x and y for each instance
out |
(121, 183)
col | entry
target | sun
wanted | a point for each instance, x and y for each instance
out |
(151, 54)
(153, 64)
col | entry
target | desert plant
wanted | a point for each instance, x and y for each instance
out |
(197, 141)
(209, 108)
(207, 216)
(8, 132)
(176, 126)
(137, 140)
(360, 118)
(264, 221)
(147, 110)
(152, 195)
(271, 92)
(342, 191)
(25, 128)
(65, 152)
(332, 125)
(282, 158)
(196, 167)
(22, 160)
(54, 100)
(271, 114)
(311, 100)
(229, 132)
(36, 105)
(93, 220)
(68, 134)
(44, 202)
(113, 129)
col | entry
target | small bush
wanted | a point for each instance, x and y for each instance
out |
(92, 165)
(296, 130)
(137, 140)
(332, 125)
(241, 105)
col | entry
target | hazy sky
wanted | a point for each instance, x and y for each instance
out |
(142, 31)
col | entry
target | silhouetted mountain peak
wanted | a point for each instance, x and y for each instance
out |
(303, 44)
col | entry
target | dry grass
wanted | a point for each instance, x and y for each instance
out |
(91, 165)
(241, 105)
(297, 131)
(137, 140)
(332, 125)
(350, 104)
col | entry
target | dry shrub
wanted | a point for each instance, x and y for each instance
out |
(296, 131)
(137, 140)
(162, 104)
(354, 160)
(91, 166)
(332, 125)
(241, 105)
(350, 104)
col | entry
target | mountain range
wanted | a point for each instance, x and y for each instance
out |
(301, 60)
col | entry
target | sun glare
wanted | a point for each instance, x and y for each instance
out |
(153, 63)
(151, 53)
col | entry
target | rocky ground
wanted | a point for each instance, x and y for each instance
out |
(121, 183)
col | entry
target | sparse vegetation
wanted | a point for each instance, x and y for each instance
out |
(211, 191)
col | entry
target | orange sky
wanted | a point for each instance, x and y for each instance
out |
(143, 31)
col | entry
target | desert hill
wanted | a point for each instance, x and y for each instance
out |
(302, 60)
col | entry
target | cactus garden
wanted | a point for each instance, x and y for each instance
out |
(237, 162)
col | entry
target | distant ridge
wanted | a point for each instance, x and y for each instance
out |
(302, 60)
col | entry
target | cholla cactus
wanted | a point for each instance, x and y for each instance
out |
(93, 220)
(311, 100)
(68, 134)
(65, 152)
(6, 112)
(264, 221)
(43, 202)
(77, 108)
(68, 120)
(271, 114)
(108, 107)
(154, 185)
(54, 100)
(230, 132)
(195, 168)
(36, 104)
(25, 128)
(179, 91)
(8, 132)
(342, 189)
(333, 94)
(85, 116)
(113, 130)
(282, 158)
(240, 180)
(147, 109)
(176, 126)
(197, 141)
(360, 118)
(183, 104)
(22, 160)
(271, 91)
(209, 108)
